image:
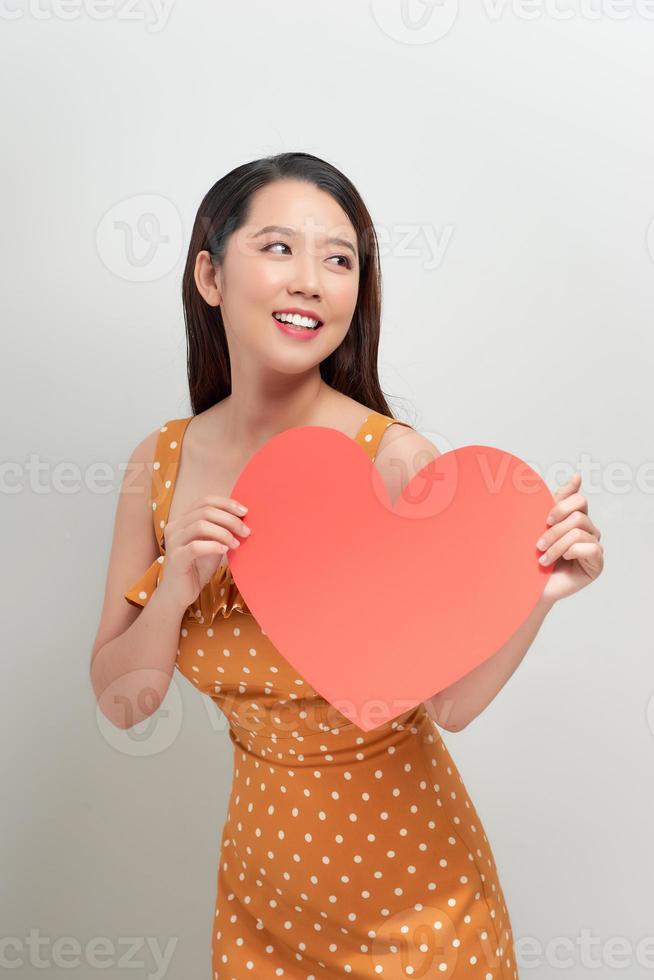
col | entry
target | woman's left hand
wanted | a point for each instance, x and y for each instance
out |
(572, 541)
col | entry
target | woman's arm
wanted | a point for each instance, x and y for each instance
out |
(455, 706)
(132, 672)
(572, 542)
(134, 653)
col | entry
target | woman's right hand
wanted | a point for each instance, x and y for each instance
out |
(195, 545)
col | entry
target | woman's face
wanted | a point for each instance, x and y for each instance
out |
(309, 261)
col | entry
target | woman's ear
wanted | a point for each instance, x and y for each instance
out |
(207, 279)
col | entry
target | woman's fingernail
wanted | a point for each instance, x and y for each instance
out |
(543, 559)
(540, 543)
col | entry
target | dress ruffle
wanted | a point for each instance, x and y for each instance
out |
(219, 595)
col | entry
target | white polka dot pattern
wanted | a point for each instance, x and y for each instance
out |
(344, 853)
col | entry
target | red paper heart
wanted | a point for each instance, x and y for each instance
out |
(381, 607)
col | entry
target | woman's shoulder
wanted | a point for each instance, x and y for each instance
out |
(153, 445)
(144, 451)
(403, 449)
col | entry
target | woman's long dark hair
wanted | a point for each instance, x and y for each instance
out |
(352, 367)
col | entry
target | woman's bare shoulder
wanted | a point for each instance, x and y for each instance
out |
(402, 453)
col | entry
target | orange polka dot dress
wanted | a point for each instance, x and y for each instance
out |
(344, 853)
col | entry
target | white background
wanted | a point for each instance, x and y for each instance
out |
(506, 153)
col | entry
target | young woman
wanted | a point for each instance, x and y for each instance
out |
(343, 852)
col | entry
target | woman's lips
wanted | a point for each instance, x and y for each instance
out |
(300, 333)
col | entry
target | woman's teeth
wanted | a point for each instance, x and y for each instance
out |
(297, 321)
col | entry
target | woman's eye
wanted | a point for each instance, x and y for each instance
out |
(272, 245)
(348, 263)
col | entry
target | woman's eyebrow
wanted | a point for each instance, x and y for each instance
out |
(293, 233)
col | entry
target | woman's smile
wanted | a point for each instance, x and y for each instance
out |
(297, 326)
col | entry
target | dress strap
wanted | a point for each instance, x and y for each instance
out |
(373, 428)
(164, 472)
(219, 594)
